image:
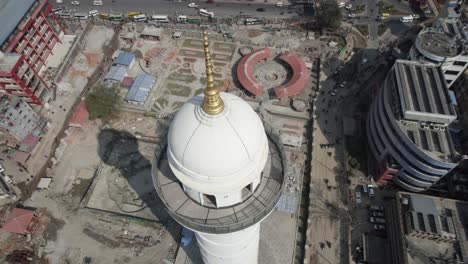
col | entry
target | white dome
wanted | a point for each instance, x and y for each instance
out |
(224, 151)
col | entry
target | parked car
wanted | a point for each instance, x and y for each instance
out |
(333, 92)
(342, 84)
(341, 4)
(365, 189)
(98, 3)
(351, 15)
(358, 197)
(379, 227)
(349, 6)
(193, 5)
(338, 70)
(371, 191)
(260, 9)
(2, 169)
(376, 220)
(377, 214)
(75, 2)
(364, 61)
(7, 179)
(93, 13)
(376, 208)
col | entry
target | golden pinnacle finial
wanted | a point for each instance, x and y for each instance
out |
(212, 103)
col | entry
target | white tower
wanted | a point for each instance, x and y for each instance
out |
(217, 150)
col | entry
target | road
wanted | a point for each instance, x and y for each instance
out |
(161, 7)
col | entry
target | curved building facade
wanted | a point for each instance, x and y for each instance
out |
(407, 127)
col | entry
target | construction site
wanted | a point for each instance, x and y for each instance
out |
(99, 190)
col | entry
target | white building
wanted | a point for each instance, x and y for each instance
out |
(441, 46)
(217, 152)
(17, 118)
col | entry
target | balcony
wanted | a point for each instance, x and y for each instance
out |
(43, 29)
(21, 45)
(41, 46)
(38, 22)
(35, 41)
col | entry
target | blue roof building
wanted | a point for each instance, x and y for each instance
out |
(125, 59)
(140, 89)
(11, 14)
(115, 74)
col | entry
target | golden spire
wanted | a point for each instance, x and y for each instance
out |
(212, 103)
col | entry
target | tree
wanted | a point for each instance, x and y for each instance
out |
(102, 103)
(328, 14)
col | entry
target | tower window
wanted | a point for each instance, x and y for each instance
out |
(209, 200)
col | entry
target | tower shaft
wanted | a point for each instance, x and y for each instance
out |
(239, 247)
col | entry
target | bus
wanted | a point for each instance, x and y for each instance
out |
(204, 12)
(104, 16)
(131, 15)
(116, 17)
(160, 19)
(253, 21)
(188, 19)
(139, 18)
(81, 16)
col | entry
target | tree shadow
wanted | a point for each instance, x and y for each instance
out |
(122, 151)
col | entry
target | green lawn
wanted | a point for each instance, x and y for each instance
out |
(182, 78)
(382, 28)
(179, 90)
(224, 47)
(363, 29)
(191, 53)
(193, 43)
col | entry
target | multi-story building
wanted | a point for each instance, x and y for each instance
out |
(17, 119)
(442, 45)
(426, 229)
(408, 127)
(28, 34)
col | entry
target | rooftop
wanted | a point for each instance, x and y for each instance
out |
(453, 27)
(11, 13)
(124, 58)
(440, 217)
(140, 88)
(426, 107)
(423, 94)
(220, 220)
(116, 73)
(19, 221)
(8, 60)
(439, 43)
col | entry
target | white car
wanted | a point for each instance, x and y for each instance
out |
(341, 4)
(349, 6)
(333, 92)
(98, 3)
(193, 5)
(93, 13)
(364, 61)
(343, 84)
(75, 2)
(351, 15)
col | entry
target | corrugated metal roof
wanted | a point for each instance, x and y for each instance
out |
(140, 88)
(116, 73)
(124, 58)
(11, 13)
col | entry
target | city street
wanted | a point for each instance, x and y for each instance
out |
(161, 7)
